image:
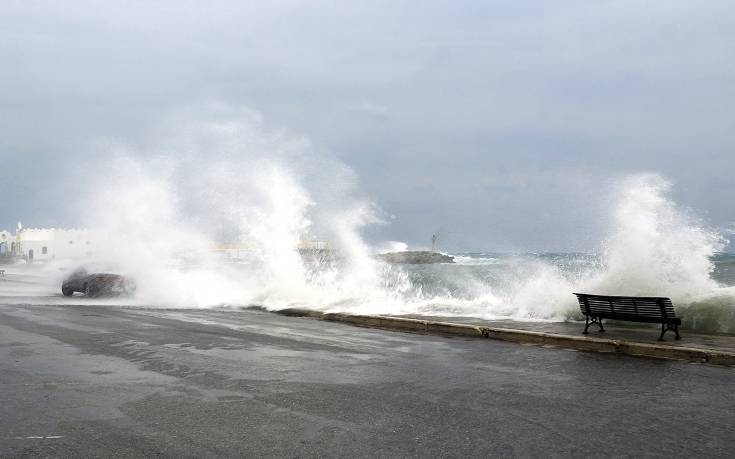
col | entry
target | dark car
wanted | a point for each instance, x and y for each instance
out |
(97, 284)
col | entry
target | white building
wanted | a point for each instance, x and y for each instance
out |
(39, 244)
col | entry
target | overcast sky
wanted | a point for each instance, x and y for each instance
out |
(501, 124)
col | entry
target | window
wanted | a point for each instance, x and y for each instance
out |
(44, 250)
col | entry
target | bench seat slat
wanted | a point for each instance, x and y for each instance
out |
(637, 318)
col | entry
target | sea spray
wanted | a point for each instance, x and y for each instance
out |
(134, 213)
(655, 247)
(165, 212)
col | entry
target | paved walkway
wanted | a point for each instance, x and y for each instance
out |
(613, 330)
(100, 381)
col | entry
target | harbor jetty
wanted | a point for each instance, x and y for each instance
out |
(420, 257)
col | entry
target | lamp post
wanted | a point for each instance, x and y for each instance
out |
(18, 239)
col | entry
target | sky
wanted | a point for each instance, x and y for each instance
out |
(500, 125)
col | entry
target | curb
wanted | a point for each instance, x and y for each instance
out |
(658, 351)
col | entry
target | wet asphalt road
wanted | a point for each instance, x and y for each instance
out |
(104, 381)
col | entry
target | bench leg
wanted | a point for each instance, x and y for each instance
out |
(667, 327)
(588, 322)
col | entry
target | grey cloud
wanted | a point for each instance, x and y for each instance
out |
(490, 119)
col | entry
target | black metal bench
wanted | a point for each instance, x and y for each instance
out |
(649, 309)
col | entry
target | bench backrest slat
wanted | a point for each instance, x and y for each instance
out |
(650, 307)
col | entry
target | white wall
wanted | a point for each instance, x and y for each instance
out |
(58, 243)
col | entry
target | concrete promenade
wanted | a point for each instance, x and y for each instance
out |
(107, 381)
(622, 331)
(619, 337)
